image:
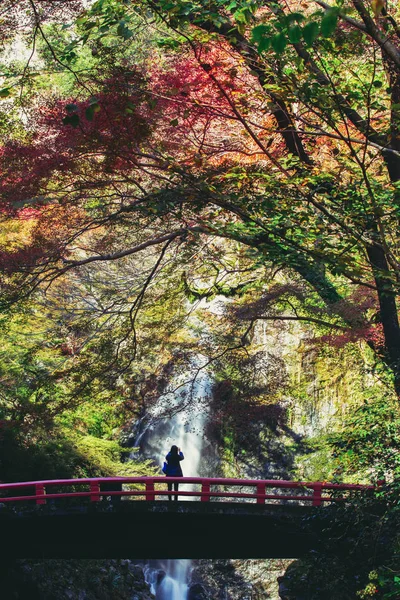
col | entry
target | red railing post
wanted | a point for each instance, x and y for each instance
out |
(260, 493)
(205, 490)
(317, 494)
(94, 491)
(40, 492)
(150, 495)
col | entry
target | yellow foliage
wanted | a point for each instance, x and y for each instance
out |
(16, 233)
(377, 7)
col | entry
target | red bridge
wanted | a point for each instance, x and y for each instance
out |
(130, 517)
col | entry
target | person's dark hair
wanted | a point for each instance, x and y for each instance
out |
(174, 450)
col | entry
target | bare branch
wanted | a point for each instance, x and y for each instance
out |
(117, 255)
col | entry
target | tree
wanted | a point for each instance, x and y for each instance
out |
(259, 123)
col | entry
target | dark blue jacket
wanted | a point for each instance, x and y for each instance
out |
(173, 464)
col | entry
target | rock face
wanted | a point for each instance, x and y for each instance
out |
(236, 579)
(284, 592)
(73, 580)
(197, 592)
(325, 384)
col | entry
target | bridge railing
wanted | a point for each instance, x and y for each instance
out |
(259, 491)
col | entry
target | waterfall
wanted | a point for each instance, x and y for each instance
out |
(186, 429)
(168, 579)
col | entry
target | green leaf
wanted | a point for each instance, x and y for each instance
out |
(242, 16)
(329, 23)
(128, 33)
(295, 17)
(279, 42)
(5, 92)
(69, 56)
(89, 25)
(259, 32)
(310, 33)
(71, 120)
(91, 110)
(264, 44)
(89, 113)
(294, 34)
(70, 108)
(124, 31)
(174, 122)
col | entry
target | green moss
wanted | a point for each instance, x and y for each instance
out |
(100, 457)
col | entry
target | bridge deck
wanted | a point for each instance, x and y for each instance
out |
(158, 529)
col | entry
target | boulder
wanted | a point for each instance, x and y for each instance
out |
(197, 592)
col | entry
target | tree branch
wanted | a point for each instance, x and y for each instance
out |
(373, 30)
(308, 319)
(343, 16)
(70, 264)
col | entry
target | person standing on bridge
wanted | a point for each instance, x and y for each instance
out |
(173, 468)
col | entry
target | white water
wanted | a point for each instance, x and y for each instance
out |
(186, 429)
(174, 584)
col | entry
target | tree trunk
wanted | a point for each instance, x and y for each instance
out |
(388, 310)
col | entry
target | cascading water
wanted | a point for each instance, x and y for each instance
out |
(168, 579)
(186, 429)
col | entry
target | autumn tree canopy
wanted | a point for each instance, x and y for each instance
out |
(187, 132)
